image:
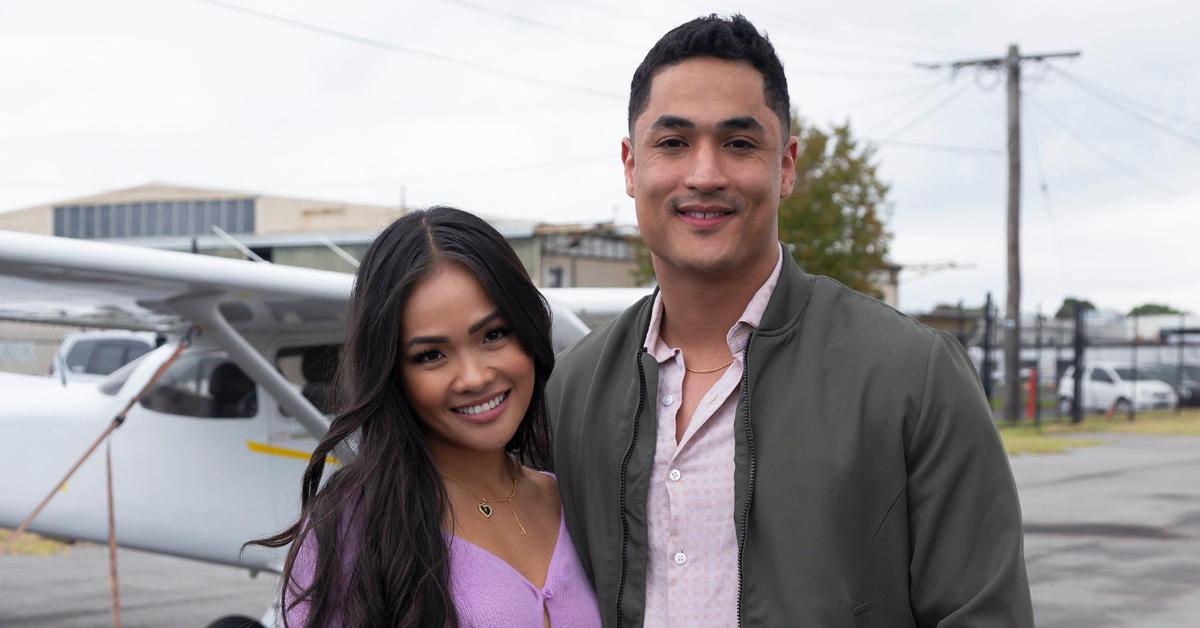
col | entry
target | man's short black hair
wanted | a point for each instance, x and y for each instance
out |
(734, 39)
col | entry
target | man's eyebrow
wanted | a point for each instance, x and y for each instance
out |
(433, 340)
(672, 122)
(743, 123)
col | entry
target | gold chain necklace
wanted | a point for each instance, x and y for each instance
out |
(706, 371)
(485, 505)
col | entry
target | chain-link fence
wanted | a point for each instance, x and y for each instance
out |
(29, 348)
(1135, 352)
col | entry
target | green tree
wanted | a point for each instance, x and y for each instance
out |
(1066, 311)
(1147, 309)
(833, 220)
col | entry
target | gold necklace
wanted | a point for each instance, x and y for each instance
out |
(706, 371)
(485, 505)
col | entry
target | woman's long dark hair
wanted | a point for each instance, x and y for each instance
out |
(390, 493)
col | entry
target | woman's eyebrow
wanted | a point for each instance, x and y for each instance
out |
(474, 328)
(483, 321)
(428, 340)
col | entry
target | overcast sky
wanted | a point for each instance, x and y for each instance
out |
(516, 108)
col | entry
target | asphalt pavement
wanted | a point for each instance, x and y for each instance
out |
(1112, 540)
(1112, 533)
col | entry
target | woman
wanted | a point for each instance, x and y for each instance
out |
(442, 517)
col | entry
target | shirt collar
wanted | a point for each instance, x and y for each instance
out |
(749, 319)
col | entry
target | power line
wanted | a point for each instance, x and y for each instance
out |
(1045, 189)
(849, 75)
(1130, 111)
(807, 23)
(1113, 160)
(522, 19)
(825, 52)
(1130, 99)
(923, 88)
(390, 47)
(944, 148)
(909, 105)
(932, 110)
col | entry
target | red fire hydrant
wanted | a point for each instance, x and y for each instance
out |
(1031, 396)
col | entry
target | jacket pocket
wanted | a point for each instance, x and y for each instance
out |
(862, 615)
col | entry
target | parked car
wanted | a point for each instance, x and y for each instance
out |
(90, 355)
(1111, 387)
(1185, 380)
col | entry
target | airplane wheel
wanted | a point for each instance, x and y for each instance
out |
(235, 621)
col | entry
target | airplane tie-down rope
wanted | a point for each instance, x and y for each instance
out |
(117, 421)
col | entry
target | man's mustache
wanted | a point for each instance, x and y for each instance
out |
(718, 199)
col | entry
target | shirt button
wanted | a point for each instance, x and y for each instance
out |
(668, 400)
(674, 475)
(547, 593)
(680, 558)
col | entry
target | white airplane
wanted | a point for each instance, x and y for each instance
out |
(212, 456)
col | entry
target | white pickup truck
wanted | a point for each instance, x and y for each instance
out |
(1109, 387)
(88, 356)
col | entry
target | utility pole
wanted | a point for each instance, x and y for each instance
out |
(1011, 63)
(1037, 371)
(986, 366)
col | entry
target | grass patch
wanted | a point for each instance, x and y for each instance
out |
(30, 544)
(1028, 440)
(1056, 436)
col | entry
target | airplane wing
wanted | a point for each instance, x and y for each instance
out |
(78, 282)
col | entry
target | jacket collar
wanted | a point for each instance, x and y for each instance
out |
(791, 296)
(783, 310)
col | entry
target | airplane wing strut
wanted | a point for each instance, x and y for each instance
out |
(203, 309)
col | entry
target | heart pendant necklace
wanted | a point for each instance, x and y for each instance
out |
(485, 505)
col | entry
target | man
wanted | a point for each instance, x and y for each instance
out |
(754, 445)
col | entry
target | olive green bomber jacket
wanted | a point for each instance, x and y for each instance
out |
(871, 486)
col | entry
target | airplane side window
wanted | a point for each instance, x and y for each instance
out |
(311, 368)
(204, 385)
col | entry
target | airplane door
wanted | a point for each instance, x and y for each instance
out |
(310, 367)
(186, 481)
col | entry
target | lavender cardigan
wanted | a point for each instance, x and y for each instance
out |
(487, 591)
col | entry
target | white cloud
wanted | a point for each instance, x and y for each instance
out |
(103, 95)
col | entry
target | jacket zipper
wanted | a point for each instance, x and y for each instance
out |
(751, 467)
(637, 417)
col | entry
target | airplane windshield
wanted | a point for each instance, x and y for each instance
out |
(204, 384)
(111, 384)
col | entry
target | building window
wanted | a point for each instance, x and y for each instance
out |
(154, 218)
(135, 220)
(151, 214)
(89, 222)
(119, 219)
(106, 226)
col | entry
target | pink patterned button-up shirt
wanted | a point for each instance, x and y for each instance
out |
(691, 571)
